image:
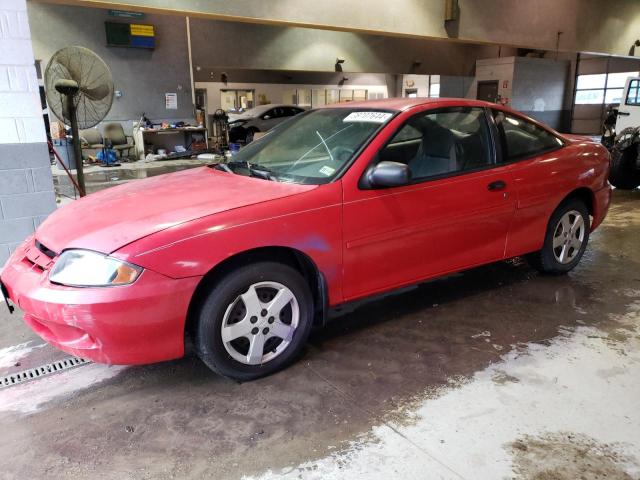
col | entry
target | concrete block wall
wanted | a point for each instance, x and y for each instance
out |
(26, 186)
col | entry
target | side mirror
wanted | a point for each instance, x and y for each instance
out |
(266, 117)
(389, 174)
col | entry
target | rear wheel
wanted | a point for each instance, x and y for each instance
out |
(249, 136)
(255, 321)
(565, 240)
(624, 174)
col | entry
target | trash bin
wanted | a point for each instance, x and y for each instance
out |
(64, 149)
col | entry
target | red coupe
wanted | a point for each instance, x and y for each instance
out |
(336, 204)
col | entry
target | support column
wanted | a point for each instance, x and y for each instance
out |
(26, 185)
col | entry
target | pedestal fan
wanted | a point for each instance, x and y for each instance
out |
(79, 89)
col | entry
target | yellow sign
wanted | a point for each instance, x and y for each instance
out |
(142, 30)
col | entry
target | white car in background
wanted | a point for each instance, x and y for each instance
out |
(242, 126)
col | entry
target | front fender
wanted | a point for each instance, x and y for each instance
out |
(310, 223)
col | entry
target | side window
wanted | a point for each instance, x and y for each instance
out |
(632, 94)
(520, 138)
(290, 111)
(273, 113)
(442, 142)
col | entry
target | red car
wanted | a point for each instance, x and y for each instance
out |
(336, 204)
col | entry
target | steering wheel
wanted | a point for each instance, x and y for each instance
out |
(341, 153)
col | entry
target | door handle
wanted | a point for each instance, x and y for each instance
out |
(626, 114)
(497, 185)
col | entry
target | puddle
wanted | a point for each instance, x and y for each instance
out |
(568, 456)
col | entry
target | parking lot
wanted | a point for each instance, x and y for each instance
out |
(489, 373)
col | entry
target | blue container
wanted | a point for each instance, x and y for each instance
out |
(234, 148)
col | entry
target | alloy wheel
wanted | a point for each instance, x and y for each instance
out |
(568, 236)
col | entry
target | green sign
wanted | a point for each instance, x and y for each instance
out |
(125, 13)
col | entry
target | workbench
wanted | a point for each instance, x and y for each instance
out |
(167, 138)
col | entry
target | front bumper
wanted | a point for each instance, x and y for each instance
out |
(601, 205)
(133, 324)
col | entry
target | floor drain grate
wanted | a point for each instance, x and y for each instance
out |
(41, 371)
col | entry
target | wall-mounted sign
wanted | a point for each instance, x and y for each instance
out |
(125, 13)
(130, 35)
(171, 101)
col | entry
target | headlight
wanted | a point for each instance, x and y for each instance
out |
(237, 123)
(84, 268)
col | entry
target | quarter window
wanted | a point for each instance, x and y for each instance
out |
(440, 143)
(521, 138)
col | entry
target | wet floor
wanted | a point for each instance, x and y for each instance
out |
(98, 178)
(497, 372)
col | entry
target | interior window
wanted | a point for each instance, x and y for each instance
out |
(632, 95)
(442, 142)
(521, 138)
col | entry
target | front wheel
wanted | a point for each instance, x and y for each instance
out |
(565, 240)
(255, 321)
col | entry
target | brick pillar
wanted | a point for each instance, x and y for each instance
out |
(26, 186)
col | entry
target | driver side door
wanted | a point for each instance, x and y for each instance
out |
(453, 215)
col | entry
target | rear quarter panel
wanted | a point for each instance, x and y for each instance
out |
(542, 183)
(309, 222)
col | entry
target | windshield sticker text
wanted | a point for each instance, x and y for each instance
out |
(373, 117)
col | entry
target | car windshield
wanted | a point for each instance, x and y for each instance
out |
(311, 148)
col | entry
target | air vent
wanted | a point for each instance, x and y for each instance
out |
(48, 252)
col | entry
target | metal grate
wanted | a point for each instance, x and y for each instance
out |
(41, 371)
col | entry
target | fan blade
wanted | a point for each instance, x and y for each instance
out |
(74, 70)
(97, 93)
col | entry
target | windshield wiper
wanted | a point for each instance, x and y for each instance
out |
(257, 170)
(223, 167)
(325, 145)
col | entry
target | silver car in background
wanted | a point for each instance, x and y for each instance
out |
(243, 126)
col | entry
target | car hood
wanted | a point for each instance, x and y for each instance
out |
(234, 117)
(108, 220)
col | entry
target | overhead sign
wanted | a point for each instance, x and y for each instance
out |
(125, 13)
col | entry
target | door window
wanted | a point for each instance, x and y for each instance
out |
(273, 113)
(443, 142)
(521, 138)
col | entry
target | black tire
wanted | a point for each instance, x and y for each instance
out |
(624, 172)
(248, 138)
(208, 341)
(545, 260)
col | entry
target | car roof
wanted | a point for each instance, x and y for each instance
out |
(402, 103)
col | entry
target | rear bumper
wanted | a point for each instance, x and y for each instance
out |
(134, 324)
(601, 205)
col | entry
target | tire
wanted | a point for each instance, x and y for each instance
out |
(241, 304)
(624, 172)
(249, 136)
(569, 248)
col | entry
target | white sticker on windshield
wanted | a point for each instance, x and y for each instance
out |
(327, 171)
(373, 117)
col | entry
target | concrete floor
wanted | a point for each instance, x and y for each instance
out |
(491, 374)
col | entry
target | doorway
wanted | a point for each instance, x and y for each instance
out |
(488, 91)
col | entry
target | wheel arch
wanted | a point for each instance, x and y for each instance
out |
(286, 255)
(586, 195)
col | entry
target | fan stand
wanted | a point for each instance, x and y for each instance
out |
(68, 89)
